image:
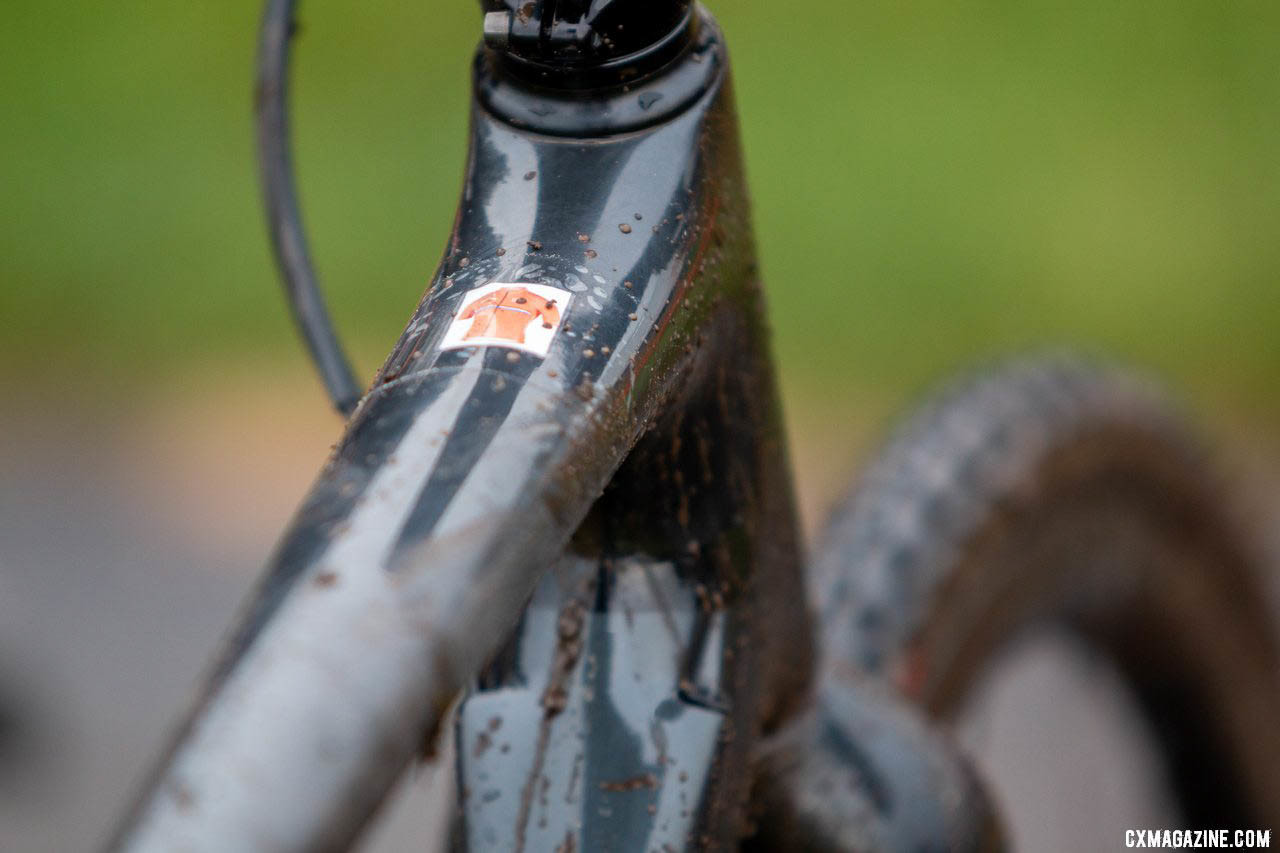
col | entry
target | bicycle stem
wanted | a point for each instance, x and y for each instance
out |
(586, 43)
(465, 472)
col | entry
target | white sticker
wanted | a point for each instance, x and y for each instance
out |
(509, 314)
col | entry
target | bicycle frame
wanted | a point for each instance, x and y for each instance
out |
(642, 456)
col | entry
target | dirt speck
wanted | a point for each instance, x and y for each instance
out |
(530, 175)
(324, 580)
(645, 781)
(186, 801)
(624, 228)
(536, 245)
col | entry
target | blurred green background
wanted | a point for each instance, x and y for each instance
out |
(934, 183)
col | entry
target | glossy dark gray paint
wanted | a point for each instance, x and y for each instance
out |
(464, 474)
(864, 771)
(623, 762)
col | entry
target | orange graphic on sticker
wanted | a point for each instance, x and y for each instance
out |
(516, 315)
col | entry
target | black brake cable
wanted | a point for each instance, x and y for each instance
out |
(288, 240)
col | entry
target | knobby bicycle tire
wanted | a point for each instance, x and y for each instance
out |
(1057, 491)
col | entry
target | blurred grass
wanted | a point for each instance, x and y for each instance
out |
(934, 183)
